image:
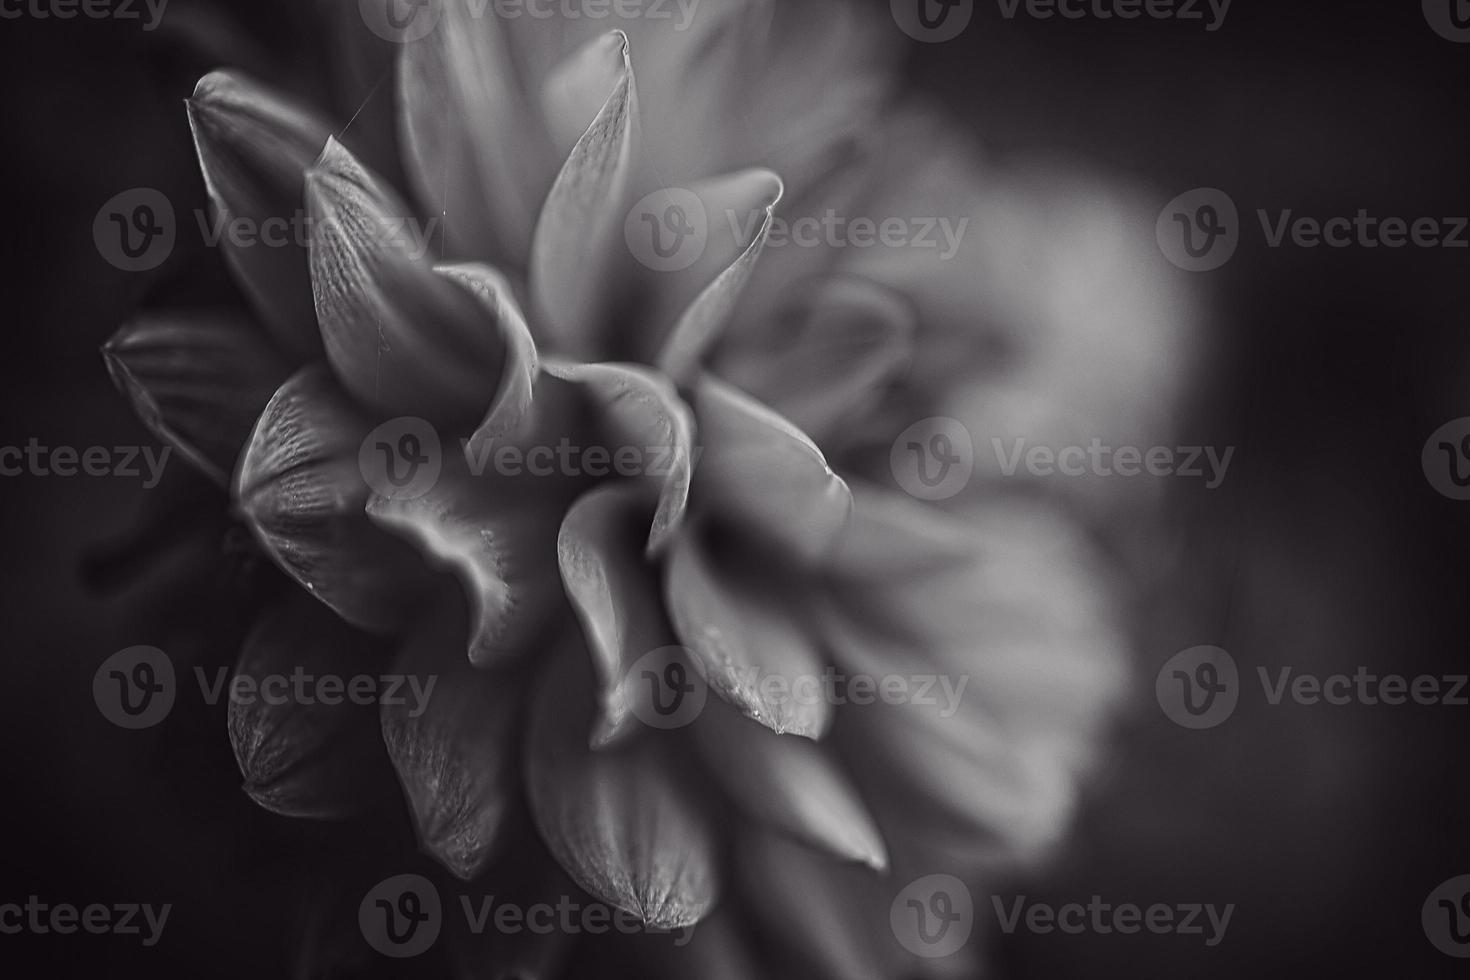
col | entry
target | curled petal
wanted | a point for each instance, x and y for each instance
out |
(500, 544)
(700, 325)
(575, 91)
(477, 154)
(255, 145)
(791, 784)
(453, 742)
(764, 475)
(746, 644)
(522, 363)
(623, 822)
(198, 381)
(616, 596)
(579, 234)
(300, 489)
(307, 757)
(831, 358)
(639, 411)
(403, 340)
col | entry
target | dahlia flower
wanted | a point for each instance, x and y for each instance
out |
(758, 548)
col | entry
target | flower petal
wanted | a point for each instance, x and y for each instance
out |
(499, 540)
(575, 91)
(454, 742)
(747, 646)
(255, 145)
(892, 536)
(763, 474)
(308, 757)
(300, 489)
(700, 325)
(579, 234)
(623, 822)
(477, 152)
(616, 596)
(831, 357)
(513, 398)
(639, 410)
(198, 381)
(1028, 662)
(841, 912)
(792, 784)
(404, 340)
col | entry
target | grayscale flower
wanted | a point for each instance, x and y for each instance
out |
(757, 544)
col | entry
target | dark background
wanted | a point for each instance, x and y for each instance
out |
(1326, 549)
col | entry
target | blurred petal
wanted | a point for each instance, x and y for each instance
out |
(748, 645)
(841, 912)
(761, 473)
(403, 340)
(307, 757)
(639, 410)
(499, 543)
(454, 744)
(699, 326)
(579, 234)
(255, 145)
(616, 595)
(791, 784)
(722, 948)
(300, 489)
(477, 153)
(892, 535)
(198, 381)
(1027, 659)
(832, 359)
(623, 822)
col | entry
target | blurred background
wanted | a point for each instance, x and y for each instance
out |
(1327, 549)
